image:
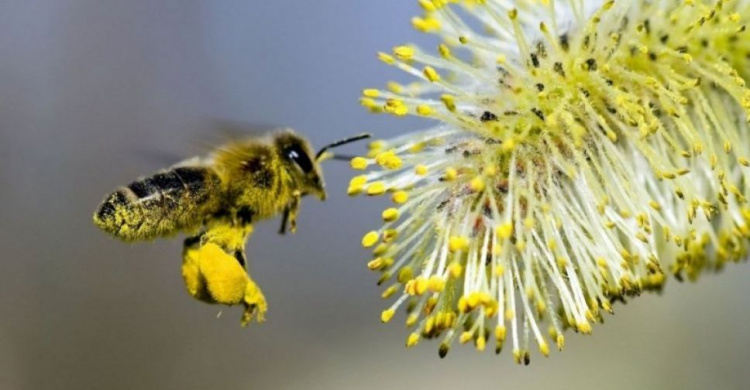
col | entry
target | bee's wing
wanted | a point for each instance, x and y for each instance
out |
(221, 131)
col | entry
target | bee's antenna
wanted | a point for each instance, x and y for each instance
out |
(342, 142)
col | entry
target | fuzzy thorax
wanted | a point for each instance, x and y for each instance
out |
(583, 151)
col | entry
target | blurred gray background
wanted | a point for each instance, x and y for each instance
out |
(87, 86)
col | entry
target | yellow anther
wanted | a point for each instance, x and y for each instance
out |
(436, 284)
(424, 110)
(466, 337)
(359, 163)
(376, 145)
(404, 53)
(420, 169)
(388, 160)
(405, 274)
(412, 319)
(425, 24)
(444, 50)
(389, 235)
(455, 269)
(458, 243)
(376, 188)
(560, 339)
(386, 315)
(473, 300)
(400, 197)
(370, 239)
(427, 5)
(449, 101)
(396, 107)
(387, 58)
(412, 340)
(450, 174)
(544, 349)
(501, 59)
(500, 333)
(390, 214)
(395, 87)
(380, 250)
(375, 264)
(371, 93)
(499, 271)
(490, 170)
(504, 231)
(654, 205)
(477, 184)
(481, 343)
(420, 285)
(744, 161)
(584, 327)
(356, 185)
(431, 74)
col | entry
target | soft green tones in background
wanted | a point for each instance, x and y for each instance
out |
(91, 91)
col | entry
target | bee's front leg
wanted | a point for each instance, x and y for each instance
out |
(290, 213)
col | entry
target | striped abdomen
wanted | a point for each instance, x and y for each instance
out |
(160, 205)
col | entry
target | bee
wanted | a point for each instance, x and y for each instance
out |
(216, 200)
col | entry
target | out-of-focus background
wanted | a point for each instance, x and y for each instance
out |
(93, 92)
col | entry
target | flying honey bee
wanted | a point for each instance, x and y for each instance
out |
(216, 200)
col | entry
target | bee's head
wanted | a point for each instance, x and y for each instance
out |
(299, 159)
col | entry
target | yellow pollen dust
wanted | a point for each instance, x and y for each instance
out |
(421, 170)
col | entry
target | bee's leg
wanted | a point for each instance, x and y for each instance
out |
(214, 272)
(284, 220)
(293, 208)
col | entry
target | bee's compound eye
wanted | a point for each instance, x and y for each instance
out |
(296, 154)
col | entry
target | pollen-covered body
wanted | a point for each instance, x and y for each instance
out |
(216, 200)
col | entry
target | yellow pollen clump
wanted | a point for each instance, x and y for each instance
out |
(359, 163)
(400, 197)
(370, 239)
(376, 188)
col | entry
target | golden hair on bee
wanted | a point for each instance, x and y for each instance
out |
(216, 199)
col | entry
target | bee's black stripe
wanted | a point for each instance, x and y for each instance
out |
(143, 188)
(194, 180)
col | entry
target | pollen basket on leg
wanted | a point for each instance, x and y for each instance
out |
(584, 152)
